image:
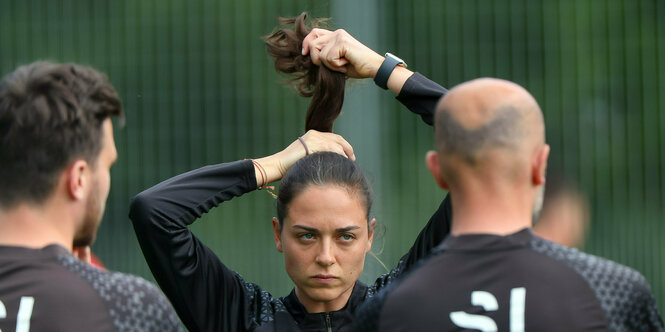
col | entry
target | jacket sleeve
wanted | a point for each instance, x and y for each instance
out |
(206, 294)
(421, 95)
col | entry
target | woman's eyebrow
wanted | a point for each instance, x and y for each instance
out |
(338, 230)
(346, 229)
(309, 229)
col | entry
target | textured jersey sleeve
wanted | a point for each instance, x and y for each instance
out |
(133, 303)
(368, 315)
(420, 95)
(645, 316)
(207, 295)
(623, 293)
(631, 305)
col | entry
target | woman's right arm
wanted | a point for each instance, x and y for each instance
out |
(206, 294)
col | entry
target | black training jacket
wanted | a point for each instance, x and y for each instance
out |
(207, 295)
(517, 282)
(48, 289)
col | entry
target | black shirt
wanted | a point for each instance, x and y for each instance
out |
(48, 289)
(518, 282)
(209, 296)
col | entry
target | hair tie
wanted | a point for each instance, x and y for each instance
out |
(305, 145)
(262, 172)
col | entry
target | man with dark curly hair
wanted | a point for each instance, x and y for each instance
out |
(56, 151)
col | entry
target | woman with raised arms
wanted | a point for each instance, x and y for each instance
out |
(323, 225)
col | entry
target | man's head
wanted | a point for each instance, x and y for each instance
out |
(56, 138)
(490, 134)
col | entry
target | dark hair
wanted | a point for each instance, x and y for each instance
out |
(326, 87)
(323, 168)
(50, 114)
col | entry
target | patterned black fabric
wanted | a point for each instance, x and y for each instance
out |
(133, 303)
(261, 303)
(624, 294)
(370, 314)
(475, 281)
(48, 289)
(386, 279)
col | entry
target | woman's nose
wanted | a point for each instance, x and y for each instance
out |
(326, 255)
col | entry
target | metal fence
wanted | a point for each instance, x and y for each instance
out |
(199, 88)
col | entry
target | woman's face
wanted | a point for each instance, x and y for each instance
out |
(324, 240)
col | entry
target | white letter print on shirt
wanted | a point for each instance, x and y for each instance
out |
(24, 313)
(489, 303)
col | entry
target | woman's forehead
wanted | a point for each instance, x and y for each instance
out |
(326, 207)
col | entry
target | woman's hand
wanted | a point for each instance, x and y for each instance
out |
(339, 51)
(275, 166)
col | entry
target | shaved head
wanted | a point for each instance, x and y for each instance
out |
(488, 126)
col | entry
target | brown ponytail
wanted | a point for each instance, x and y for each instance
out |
(326, 87)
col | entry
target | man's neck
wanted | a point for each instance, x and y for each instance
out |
(34, 227)
(488, 214)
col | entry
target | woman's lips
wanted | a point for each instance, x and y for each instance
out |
(324, 278)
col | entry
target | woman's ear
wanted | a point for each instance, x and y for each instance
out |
(370, 238)
(277, 233)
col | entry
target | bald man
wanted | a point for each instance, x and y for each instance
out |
(492, 273)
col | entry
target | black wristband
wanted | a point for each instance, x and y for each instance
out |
(387, 67)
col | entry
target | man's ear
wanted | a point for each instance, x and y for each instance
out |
(276, 229)
(432, 160)
(77, 179)
(539, 167)
(370, 239)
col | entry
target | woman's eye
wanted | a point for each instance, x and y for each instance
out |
(306, 236)
(347, 237)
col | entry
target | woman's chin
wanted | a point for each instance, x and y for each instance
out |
(320, 294)
(327, 297)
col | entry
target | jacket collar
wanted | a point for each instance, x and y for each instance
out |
(484, 242)
(339, 318)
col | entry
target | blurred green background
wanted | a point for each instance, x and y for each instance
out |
(199, 88)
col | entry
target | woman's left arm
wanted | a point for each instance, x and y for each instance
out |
(339, 51)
